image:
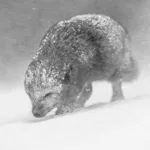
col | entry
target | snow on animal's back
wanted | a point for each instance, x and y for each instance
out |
(104, 25)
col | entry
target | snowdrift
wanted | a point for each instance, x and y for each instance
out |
(122, 125)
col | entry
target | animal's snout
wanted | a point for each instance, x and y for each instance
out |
(38, 111)
(37, 115)
(41, 110)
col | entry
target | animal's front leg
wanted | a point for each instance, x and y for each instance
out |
(117, 93)
(77, 102)
(64, 108)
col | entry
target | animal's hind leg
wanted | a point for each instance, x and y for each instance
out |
(117, 93)
(83, 96)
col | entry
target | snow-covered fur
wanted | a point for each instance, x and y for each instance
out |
(74, 53)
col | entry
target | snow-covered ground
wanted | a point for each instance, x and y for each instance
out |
(124, 125)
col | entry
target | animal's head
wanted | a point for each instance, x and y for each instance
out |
(48, 85)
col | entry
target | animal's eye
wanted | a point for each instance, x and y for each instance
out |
(48, 94)
(66, 78)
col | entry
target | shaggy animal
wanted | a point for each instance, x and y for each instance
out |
(74, 53)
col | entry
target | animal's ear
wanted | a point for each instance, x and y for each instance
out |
(68, 74)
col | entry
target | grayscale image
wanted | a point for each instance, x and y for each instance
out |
(74, 74)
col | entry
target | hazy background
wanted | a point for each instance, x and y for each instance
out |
(23, 24)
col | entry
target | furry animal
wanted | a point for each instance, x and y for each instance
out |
(74, 53)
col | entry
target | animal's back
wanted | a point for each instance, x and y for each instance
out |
(95, 43)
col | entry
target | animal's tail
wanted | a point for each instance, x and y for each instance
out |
(131, 72)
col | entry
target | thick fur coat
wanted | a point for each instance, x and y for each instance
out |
(74, 53)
